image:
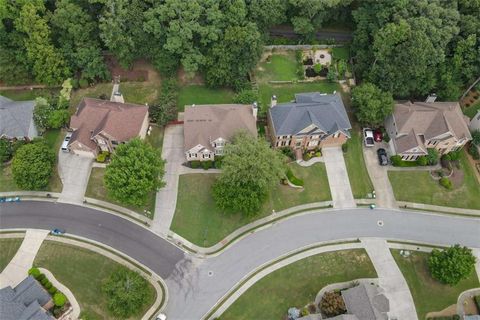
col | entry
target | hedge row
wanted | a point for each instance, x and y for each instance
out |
(293, 179)
(59, 298)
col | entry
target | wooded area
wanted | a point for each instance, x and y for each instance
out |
(407, 47)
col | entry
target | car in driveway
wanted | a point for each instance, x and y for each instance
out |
(368, 137)
(65, 142)
(382, 157)
(378, 135)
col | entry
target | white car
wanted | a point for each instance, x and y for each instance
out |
(66, 141)
(161, 316)
(368, 137)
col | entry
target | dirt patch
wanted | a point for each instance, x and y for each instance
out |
(471, 98)
(141, 70)
(447, 312)
(457, 177)
(185, 79)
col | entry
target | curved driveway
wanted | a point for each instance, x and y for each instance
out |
(195, 285)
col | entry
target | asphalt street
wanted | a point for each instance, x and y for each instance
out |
(195, 285)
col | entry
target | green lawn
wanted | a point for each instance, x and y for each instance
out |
(53, 138)
(133, 92)
(342, 53)
(357, 171)
(286, 92)
(472, 110)
(27, 94)
(9, 247)
(281, 67)
(83, 272)
(200, 221)
(428, 294)
(419, 187)
(198, 94)
(298, 283)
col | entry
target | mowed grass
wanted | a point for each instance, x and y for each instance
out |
(27, 94)
(286, 92)
(8, 248)
(298, 283)
(419, 187)
(199, 220)
(83, 272)
(357, 171)
(96, 184)
(429, 295)
(472, 110)
(53, 138)
(280, 67)
(341, 53)
(199, 94)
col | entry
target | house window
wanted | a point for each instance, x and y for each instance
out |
(298, 143)
(114, 142)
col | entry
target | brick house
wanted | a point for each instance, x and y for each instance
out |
(313, 120)
(101, 125)
(207, 128)
(415, 127)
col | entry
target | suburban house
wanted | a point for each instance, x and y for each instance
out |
(416, 126)
(207, 128)
(101, 125)
(16, 119)
(27, 301)
(313, 120)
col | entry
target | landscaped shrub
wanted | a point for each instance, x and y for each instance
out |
(307, 156)
(207, 164)
(345, 147)
(473, 151)
(40, 277)
(318, 153)
(422, 161)
(52, 290)
(59, 299)
(218, 162)
(246, 97)
(75, 83)
(6, 150)
(44, 281)
(288, 152)
(48, 285)
(332, 304)
(102, 156)
(83, 83)
(317, 68)
(195, 164)
(304, 312)
(396, 160)
(446, 183)
(34, 272)
(451, 265)
(293, 179)
(432, 156)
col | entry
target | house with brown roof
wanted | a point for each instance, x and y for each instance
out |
(101, 125)
(415, 127)
(207, 128)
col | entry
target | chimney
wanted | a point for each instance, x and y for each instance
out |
(255, 109)
(431, 98)
(273, 102)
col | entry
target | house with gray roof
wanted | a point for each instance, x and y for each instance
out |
(27, 301)
(313, 120)
(414, 127)
(366, 302)
(16, 119)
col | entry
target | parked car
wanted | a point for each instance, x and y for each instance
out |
(378, 135)
(161, 316)
(368, 137)
(10, 199)
(66, 141)
(382, 157)
(57, 232)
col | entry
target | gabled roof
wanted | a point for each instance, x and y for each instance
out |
(16, 118)
(122, 121)
(205, 123)
(366, 302)
(324, 111)
(24, 301)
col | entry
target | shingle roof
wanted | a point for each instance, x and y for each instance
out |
(324, 111)
(366, 302)
(24, 301)
(16, 118)
(205, 123)
(429, 120)
(123, 121)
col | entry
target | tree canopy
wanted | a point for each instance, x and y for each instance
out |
(32, 166)
(135, 171)
(452, 264)
(250, 169)
(373, 104)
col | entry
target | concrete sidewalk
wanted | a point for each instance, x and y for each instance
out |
(338, 180)
(18, 267)
(391, 279)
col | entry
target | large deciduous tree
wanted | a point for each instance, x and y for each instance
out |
(452, 264)
(250, 169)
(32, 166)
(135, 171)
(373, 105)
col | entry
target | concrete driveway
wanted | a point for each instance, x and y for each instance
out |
(74, 171)
(340, 188)
(172, 152)
(379, 176)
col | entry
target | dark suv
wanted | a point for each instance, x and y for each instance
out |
(382, 157)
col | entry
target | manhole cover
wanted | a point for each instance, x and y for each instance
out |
(380, 223)
(210, 273)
